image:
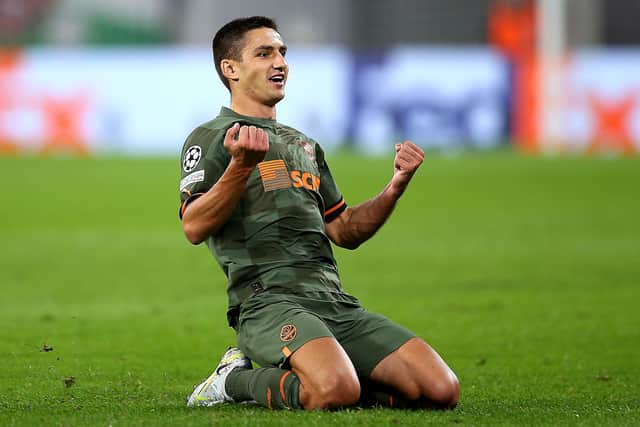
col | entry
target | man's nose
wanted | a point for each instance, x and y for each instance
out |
(280, 63)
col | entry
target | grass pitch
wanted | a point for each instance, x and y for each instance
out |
(523, 273)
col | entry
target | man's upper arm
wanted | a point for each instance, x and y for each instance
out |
(335, 207)
(203, 162)
(334, 203)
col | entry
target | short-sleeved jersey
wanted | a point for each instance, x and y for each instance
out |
(275, 236)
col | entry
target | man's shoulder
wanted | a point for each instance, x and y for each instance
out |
(212, 127)
(205, 134)
(217, 124)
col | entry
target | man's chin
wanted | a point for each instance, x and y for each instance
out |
(275, 99)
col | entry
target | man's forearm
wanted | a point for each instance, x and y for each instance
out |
(204, 216)
(356, 225)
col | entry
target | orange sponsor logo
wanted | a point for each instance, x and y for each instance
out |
(288, 333)
(306, 180)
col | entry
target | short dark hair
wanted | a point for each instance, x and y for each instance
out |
(227, 43)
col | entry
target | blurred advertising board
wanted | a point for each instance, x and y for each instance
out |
(146, 101)
(437, 97)
(597, 104)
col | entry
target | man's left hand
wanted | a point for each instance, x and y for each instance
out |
(408, 159)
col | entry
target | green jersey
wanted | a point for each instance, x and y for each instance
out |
(275, 237)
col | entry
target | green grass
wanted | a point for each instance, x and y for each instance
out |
(523, 273)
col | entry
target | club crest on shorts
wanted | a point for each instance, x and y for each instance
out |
(288, 332)
(191, 158)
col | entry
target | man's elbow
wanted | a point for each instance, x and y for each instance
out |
(193, 235)
(350, 245)
(347, 243)
(342, 239)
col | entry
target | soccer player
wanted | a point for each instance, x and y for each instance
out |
(260, 194)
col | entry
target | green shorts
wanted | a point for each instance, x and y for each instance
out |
(271, 326)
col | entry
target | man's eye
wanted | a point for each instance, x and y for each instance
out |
(263, 54)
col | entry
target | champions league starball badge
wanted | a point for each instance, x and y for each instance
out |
(191, 158)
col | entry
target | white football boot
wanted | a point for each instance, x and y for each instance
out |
(212, 391)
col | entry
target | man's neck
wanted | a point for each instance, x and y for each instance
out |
(253, 109)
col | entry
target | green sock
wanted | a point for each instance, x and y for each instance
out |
(272, 387)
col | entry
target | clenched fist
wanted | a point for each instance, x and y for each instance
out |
(408, 159)
(247, 145)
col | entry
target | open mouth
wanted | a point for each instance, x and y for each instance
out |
(277, 79)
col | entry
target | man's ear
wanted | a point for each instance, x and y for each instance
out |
(229, 69)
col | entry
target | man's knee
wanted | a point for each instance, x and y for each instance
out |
(442, 394)
(446, 393)
(332, 393)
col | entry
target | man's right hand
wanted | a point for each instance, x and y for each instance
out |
(247, 145)
(202, 218)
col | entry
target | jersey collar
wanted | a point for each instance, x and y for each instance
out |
(228, 112)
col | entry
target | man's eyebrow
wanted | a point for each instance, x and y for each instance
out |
(269, 47)
(264, 47)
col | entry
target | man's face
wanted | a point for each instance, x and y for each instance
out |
(263, 71)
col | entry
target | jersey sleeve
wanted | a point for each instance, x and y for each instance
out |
(334, 203)
(203, 161)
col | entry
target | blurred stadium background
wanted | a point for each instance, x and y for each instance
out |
(547, 75)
